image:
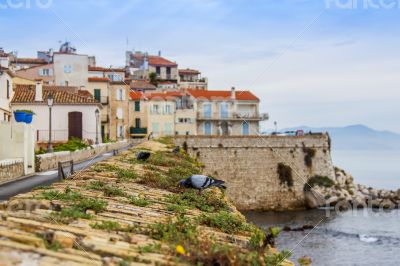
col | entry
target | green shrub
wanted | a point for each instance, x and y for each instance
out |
(322, 181)
(176, 208)
(182, 231)
(208, 201)
(151, 248)
(224, 221)
(285, 174)
(106, 225)
(138, 201)
(108, 190)
(72, 145)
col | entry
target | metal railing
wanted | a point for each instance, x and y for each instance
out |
(228, 116)
(137, 130)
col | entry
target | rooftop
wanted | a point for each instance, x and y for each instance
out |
(105, 69)
(62, 95)
(188, 71)
(218, 95)
(29, 61)
(155, 60)
(142, 84)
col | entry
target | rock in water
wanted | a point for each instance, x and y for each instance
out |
(313, 200)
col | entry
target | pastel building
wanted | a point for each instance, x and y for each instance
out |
(191, 79)
(226, 112)
(73, 113)
(140, 65)
(6, 93)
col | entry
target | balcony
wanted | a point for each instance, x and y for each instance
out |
(228, 116)
(138, 131)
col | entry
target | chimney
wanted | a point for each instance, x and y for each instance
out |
(39, 90)
(233, 93)
(159, 53)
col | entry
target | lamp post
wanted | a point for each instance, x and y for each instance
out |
(97, 113)
(50, 102)
(276, 126)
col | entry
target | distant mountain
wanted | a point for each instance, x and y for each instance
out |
(357, 137)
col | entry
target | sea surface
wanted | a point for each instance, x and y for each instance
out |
(358, 237)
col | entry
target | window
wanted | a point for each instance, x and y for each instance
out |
(168, 128)
(207, 128)
(224, 110)
(137, 106)
(155, 109)
(155, 127)
(168, 109)
(8, 90)
(207, 110)
(120, 95)
(97, 94)
(120, 131)
(67, 69)
(246, 129)
(137, 123)
(158, 70)
(119, 113)
(46, 72)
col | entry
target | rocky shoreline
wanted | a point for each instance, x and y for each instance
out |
(344, 194)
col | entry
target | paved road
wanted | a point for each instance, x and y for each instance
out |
(44, 178)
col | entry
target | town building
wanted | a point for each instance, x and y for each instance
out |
(109, 88)
(140, 66)
(6, 93)
(73, 113)
(143, 86)
(191, 79)
(226, 112)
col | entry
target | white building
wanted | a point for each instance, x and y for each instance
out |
(73, 113)
(6, 93)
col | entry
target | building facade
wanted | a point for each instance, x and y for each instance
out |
(191, 79)
(73, 115)
(6, 93)
(226, 113)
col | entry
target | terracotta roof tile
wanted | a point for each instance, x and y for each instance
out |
(29, 61)
(136, 95)
(156, 60)
(98, 79)
(104, 69)
(142, 84)
(214, 95)
(62, 95)
(189, 72)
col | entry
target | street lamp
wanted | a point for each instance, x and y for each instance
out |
(50, 103)
(97, 113)
(276, 126)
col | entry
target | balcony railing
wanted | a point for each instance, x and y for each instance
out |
(228, 116)
(138, 130)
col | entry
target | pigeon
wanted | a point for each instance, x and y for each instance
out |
(176, 150)
(143, 156)
(201, 182)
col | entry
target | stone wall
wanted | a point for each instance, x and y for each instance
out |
(49, 161)
(11, 169)
(249, 165)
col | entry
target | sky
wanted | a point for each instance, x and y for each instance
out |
(311, 62)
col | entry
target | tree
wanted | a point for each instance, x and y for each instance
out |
(153, 78)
